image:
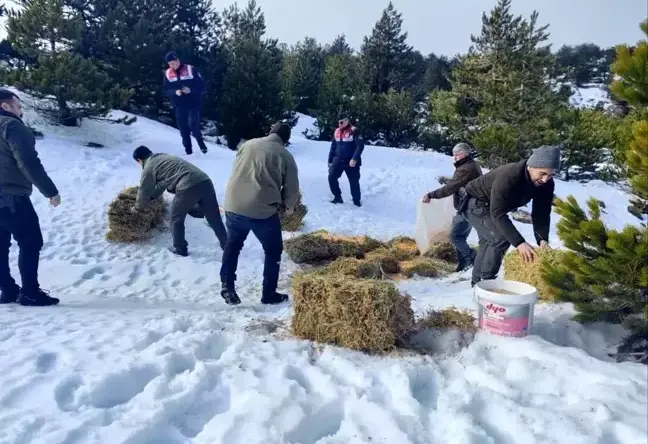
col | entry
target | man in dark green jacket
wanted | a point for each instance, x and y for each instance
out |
(492, 196)
(20, 168)
(264, 179)
(192, 187)
(466, 169)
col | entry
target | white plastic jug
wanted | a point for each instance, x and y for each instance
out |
(433, 222)
(505, 308)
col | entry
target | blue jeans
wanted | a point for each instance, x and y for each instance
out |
(459, 233)
(268, 231)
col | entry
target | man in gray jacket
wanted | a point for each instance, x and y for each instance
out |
(20, 168)
(192, 187)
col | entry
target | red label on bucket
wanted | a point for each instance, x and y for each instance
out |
(504, 321)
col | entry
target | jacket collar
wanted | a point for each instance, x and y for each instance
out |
(463, 161)
(8, 114)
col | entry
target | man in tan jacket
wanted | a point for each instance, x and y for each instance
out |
(264, 179)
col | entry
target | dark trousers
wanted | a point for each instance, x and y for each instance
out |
(492, 244)
(353, 174)
(268, 231)
(19, 219)
(203, 196)
(188, 121)
(459, 233)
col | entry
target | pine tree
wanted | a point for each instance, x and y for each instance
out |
(397, 115)
(631, 67)
(251, 98)
(508, 72)
(47, 34)
(386, 54)
(341, 84)
(302, 74)
(605, 274)
(338, 47)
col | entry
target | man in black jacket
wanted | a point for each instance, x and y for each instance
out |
(20, 167)
(466, 169)
(492, 196)
(345, 156)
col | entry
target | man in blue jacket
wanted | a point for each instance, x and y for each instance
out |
(185, 87)
(345, 157)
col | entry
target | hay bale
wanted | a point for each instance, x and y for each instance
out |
(447, 318)
(444, 251)
(515, 269)
(425, 267)
(294, 221)
(124, 226)
(365, 315)
(321, 246)
(358, 268)
(386, 258)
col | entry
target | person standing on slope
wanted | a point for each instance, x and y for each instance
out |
(466, 169)
(264, 179)
(185, 87)
(345, 157)
(492, 196)
(192, 188)
(20, 168)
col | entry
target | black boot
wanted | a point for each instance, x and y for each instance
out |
(183, 253)
(228, 292)
(188, 150)
(9, 296)
(274, 298)
(357, 203)
(203, 147)
(38, 298)
(337, 200)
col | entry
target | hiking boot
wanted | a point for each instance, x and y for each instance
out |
(337, 200)
(229, 294)
(189, 150)
(357, 203)
(274, 298)
(38, 298)
(9, 296)
(177, 252)
(202, 146)
(472, 284)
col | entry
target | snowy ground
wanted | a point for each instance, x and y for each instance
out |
(142, 350)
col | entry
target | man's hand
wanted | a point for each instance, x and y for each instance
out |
(186, 90)
(527, 252)
(352, 163)
(544, 244)
(178, 92)
(55, 201)
(289, 211)
(426, 198)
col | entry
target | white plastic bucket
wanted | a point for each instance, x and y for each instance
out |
(505, 308)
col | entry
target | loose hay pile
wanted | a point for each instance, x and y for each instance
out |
(447, 318)
(321, 246)
(515, 269)
(295, 221)
(124, 226)
(444, 251)
(403, 248)
(425, 267)
(365, 315)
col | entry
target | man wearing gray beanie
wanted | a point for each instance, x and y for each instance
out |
(492, 196)
(466, 169)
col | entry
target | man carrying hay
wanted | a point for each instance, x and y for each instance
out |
(20, 168)
(264, 180)
(466, 169)
(192, 188)
(492, 196)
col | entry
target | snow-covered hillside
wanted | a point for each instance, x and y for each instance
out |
(142, 349)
